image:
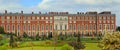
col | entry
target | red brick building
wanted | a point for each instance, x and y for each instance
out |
(63, 22)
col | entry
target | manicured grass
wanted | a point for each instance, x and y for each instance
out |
(91, 46)
(36, 48)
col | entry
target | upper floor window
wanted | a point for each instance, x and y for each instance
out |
(50, 17)
(42, 17)
(70, 18)
(100, 18)
(46, 18)
(37, 17)
(8, 17)
(33, 18)
(112, 18)
(108, 18)
(74, 18)
(104, 18)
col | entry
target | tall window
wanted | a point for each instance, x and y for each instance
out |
(18, 27)
(46, 27)
(104, 26)
(38, 28)
(65, 27)
(108, 26)
(100, 26)
(8, 27)
(112, 27)
(78, 27)
(90, 27)
(86, 27)
(42, 27)
(33, 27)
(13, 27)
(60, 27)
(74, 27)
(55, 27)
(70, 27)
(104, 18)
(94, 27)
(50, 27)
(29, 27)
(24, 27)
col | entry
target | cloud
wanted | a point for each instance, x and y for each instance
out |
(71, 6)
(82, 5)
(97, 2)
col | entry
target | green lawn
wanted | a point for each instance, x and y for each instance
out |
(36, 48)
(41, 45)
(91, 46)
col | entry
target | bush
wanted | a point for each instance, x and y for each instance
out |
(66, 47)
(77, 45)
(3, 48)
(111, 41)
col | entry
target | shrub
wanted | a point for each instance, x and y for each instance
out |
(66, 47)
(3, 48)
(77, 45)
(111, 41)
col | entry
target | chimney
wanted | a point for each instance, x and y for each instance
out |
(39, 12)
(5, 11)
(21, 12)
(32, 12)
(77, 12)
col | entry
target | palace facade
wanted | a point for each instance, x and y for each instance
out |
(63, 22)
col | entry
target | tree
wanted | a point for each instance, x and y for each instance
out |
(49, 35)
(25, 35)
(110, 41)
(37, 37)
(66, 47)
(118, 28)
(1, 30)
(77, 45)
(11, 41)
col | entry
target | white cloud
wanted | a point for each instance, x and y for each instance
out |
(82, 5)
(97, 2)
(64, 5)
